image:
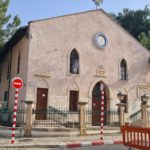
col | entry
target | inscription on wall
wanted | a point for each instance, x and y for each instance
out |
(100, 72)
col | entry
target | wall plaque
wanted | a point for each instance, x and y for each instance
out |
(100, 72)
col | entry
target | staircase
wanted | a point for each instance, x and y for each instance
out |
(62, 131)
(136, 118)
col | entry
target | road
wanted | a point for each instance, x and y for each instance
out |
(102, 147)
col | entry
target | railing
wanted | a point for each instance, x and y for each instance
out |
(136, 137)
(66, 118)
(54, 110)
(6, 116)
(135, 116)
(56, 117)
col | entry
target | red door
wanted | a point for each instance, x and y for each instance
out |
(96, 107)
(41, 104)
(73, 100)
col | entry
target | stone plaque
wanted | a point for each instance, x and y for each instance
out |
(100, 71)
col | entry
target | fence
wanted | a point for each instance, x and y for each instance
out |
(66, 118)
(56, 117)
(59, 117)
(136, 137)
(111, 118)
(6, 116)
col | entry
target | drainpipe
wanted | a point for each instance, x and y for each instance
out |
(9, 78)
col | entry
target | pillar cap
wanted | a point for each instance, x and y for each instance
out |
(145, 105)
(29, 102)
(121, 104)
(82, 103)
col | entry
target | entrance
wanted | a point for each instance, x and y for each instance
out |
(96, 104)
(41, 104)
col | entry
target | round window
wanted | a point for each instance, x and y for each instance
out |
(101, 40)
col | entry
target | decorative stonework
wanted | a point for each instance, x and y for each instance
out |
(100, 72)
(142, 89)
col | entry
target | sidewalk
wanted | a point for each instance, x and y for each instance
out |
(60, 142)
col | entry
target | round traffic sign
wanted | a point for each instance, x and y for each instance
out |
(17, 82)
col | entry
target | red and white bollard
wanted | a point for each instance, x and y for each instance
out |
(17, 83)
(14, 116)
(102, 112)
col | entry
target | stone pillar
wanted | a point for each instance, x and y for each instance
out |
(82, 118)
(145, 116)
(28, 127)
(121, 107)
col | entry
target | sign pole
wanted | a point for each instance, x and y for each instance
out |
(17, 83)
(102, 112)
(15, 116)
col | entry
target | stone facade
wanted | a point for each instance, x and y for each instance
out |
(45, 63)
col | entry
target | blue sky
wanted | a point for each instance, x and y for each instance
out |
(29, 10)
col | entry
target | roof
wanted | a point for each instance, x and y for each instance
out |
(13, 41)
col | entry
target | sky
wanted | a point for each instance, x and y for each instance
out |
(29, 10)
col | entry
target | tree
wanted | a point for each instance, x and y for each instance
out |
(136, 22)
(7, 28)
(145, 39)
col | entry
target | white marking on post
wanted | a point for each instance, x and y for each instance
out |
(102, 112)
(14, 117)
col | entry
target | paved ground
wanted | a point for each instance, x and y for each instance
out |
(57, 142)
(43, 141)
(30, 148)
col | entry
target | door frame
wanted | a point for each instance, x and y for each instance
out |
(106, 99)
(41, 112)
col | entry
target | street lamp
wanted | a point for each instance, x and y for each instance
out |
(120, 96)
(144, 99)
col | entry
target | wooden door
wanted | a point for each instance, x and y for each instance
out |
(73, 98)
(41, 104)
(96, 107)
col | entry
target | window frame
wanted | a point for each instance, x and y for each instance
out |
(123, 70)
(69, 62)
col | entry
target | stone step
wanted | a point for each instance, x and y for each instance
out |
(62, 131)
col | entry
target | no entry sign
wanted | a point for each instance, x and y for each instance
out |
(17, 82)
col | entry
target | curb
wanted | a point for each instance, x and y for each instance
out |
(63, 145)
(92, 143)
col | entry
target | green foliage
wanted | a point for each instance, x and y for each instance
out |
(7, 28)
(145, 39)
(136, 22)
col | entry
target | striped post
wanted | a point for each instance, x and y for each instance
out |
(102, 112)
(14, 116)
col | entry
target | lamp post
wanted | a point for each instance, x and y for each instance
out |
(144, 108)
(144, 99)
(121, 107)
(120, 96)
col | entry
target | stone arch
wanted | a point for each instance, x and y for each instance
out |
(96, 102)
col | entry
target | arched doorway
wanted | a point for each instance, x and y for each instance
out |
(96, 103)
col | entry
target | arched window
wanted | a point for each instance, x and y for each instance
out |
(74, 62)
(123, 70)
